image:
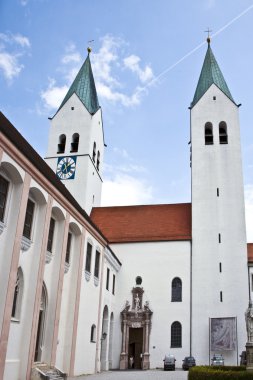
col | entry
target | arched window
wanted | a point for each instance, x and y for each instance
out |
(176, 335)
(61, 144)
(98, 160)
(74, 143)
(88, 257)
(208, 133)
(29, 216)
(68, 248)
(18, 293)
(223, 133)
(50, 238)
(93, 333)
(4, 188)
(176, 290)
(94, 152)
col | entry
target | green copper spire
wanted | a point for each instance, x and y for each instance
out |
(84, 87)
(210, 74)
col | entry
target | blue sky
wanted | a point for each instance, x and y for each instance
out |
(147, 56)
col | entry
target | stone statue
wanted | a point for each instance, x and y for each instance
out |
(127, 305)
(137, 302)
(249, 322)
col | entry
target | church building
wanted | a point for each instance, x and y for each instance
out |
(85, 288)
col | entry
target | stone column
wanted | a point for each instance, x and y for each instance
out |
(124, 356)
(145, 360)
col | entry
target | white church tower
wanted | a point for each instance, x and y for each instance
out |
(219, 249)
(76, 140)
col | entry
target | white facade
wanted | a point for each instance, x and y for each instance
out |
(68, 306)
(219, 249)
(157, 264)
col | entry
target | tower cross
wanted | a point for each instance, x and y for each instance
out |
(208, 31)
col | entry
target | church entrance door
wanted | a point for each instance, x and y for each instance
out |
(135, 327)
(136, 347)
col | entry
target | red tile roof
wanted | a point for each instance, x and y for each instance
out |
(144, 223)
(250, 252)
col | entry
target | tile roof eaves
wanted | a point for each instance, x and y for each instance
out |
(148, 240)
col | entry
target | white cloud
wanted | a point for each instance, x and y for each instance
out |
(106, 92)
(9, 65)
(132, 63)
(24, 2)
(72, 57)
(12, 48)
(102, 62)
(249, 211)
(107, 65)
(53, 95)
(21, 40)
(125, 190)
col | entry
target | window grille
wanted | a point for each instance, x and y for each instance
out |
(176, 294)
(176, 334)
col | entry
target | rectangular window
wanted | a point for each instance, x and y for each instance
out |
(220, 267)
(67, 257)
(29, 219)
(219, 238)
(221, 297)
(218, 192)
(97, 262)
(4, 185)
(50, 235)
(88, 257)
(113, 284)
(108, 279)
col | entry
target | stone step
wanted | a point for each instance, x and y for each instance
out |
(44, 371)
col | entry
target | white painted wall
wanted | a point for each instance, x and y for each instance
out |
(217, 166)
(20, 331)
(88, 314)
(157, 263)
(68, 301)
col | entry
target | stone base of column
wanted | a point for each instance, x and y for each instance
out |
(249, 356)
(123, 364)
(145, 361)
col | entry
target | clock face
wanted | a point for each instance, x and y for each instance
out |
(66, 167)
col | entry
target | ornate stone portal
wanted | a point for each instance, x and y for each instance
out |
(135, 326)
(249, 344)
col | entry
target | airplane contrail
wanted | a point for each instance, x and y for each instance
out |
(162, 74)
